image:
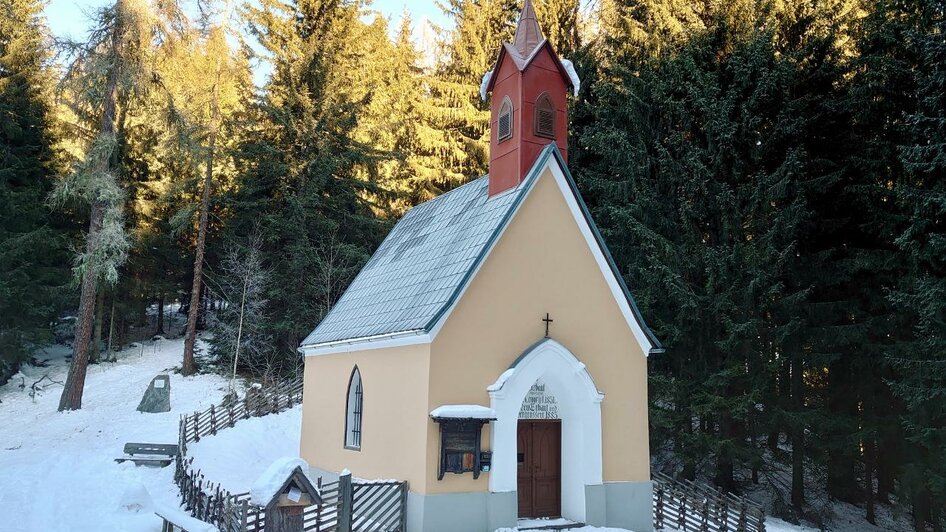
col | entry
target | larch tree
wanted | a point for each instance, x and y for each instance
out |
(115, 63)
(222, 98)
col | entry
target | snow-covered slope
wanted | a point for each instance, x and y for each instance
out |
(253, 443)
(57, 470)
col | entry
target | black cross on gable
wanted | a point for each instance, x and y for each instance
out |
(548, 322)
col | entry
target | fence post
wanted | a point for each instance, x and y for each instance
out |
(404, 490)
(196, 428)
(345, 501)
(723, 510)
(659, 510)
(213, 420)
(682, 523)
(704, 518)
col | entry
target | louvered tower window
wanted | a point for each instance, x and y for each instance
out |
(354, 409)
(544, 117)
(504, 120)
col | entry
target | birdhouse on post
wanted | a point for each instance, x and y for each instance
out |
(285, 491)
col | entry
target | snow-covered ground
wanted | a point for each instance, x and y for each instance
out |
(57, 470)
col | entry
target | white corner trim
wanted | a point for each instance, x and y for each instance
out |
(365, 343)
(600, 259)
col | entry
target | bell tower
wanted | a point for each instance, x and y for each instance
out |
(529, 107)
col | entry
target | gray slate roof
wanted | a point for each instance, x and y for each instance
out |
(419, 266)
(423, 264)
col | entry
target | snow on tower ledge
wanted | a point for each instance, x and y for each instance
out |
(463, 412)
(266, 486)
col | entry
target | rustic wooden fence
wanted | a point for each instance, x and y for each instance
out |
(347, 506)
(257, 402)
(690, 507)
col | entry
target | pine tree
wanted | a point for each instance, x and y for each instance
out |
(920, 360)
(32, 243)
(701, 154)
(458, 115)
(227, 81)
(300, 172)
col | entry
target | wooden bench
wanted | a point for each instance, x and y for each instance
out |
(176, 520)
(149, 454)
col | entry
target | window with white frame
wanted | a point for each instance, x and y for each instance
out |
(354, 408)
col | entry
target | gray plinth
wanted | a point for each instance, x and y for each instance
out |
(157, 397)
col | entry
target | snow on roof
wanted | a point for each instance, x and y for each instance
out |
(463, 412)
(572, 75)
(501, 380)
(484, 84)
(270, 482)
(182, 520)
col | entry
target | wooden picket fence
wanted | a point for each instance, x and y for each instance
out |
(347, 505)
(690, 507)
(257, 402)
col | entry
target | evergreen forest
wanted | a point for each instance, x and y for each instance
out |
(769, 175)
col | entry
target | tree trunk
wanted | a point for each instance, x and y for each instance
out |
(71, 398)
(109, 351)
(187, 367)
(160, 327)
(798, 436)
(869, 459)
(842, 407)
(97, 330)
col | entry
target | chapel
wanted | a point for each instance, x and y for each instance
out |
(490, 352)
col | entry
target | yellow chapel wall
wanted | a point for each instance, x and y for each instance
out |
(394, 419)
(541, 264)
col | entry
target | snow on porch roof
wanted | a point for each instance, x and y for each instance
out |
(415, 272)
(463, 412)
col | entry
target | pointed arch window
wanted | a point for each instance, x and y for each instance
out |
(544, 117)
(504, 120)
(353, 411)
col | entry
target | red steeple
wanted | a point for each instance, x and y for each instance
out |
(529, 105)
(528, 32)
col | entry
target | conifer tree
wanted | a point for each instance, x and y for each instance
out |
(228, 82)
(299, 174)
(700, 160)
(32, 244)
(920, 360)
(469, 50)
(116, 62)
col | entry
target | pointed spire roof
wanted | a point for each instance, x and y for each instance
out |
(528, 33)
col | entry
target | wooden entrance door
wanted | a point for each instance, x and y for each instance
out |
(540, 468)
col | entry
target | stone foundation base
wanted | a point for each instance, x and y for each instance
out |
(626, 505)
